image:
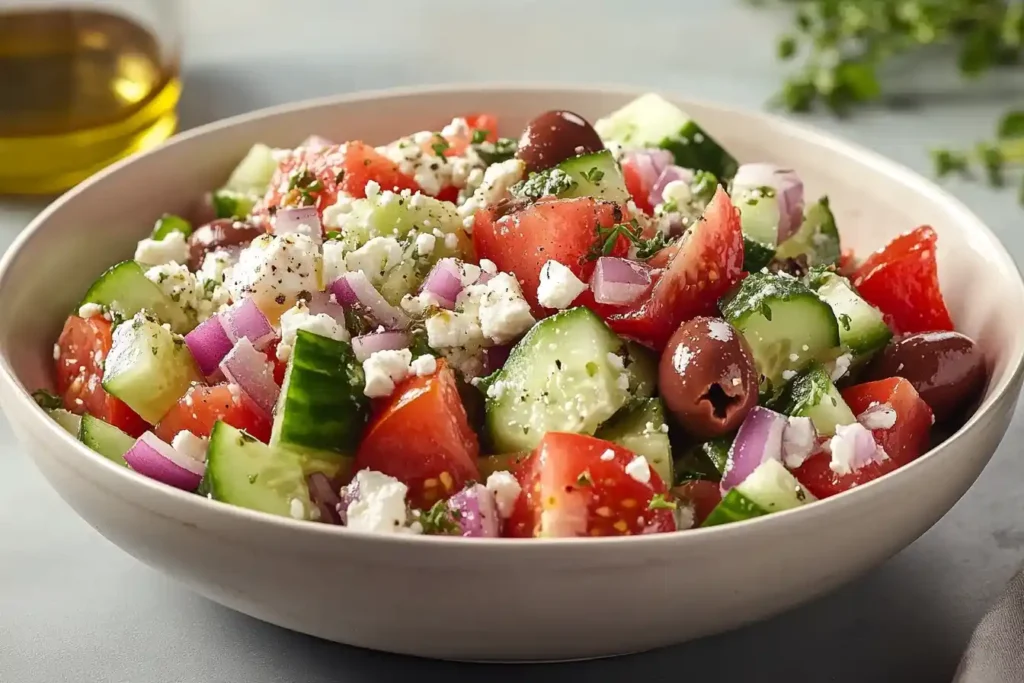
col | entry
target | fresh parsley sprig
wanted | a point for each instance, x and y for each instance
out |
(607, 238)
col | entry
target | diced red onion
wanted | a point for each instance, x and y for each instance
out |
(798, 441)
(445, 282)
(365, 345)
(619, 281)
(315, 142)
(302, 220)
(475, 512)
(495, 357)
(209, 344)
(759, 439)
(645, 163)
(244, 320)
(669, 174)
(789, 191)
(878, 416)
(155, 459)
(355, 289)
(321, 303)
(250, 370)
(324, 494)
(346, 496)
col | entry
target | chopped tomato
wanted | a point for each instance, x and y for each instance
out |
(636, 187)
(81, 350)
(701, 495)
(201, 407)
(280, 366)
(902, 281)
(485, 123)
(449, 194)
(422, 438)
(317, 176)
(903, 442)
(577, 485)
(847, 263)
(705, 265)
(565, 230)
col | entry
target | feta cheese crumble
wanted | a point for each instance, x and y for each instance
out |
(880, 416)
(608, 455)
(190, 445)
(424, 366)
(89, 310)
(173, 247)
(506, 490)
(797, 441)
(425, 244)
(852, 448)
(385, 369)
(504, 313)
(840, 366)
(298, 317)
(380, 507)
(275, 270)
(558, 286)
(497, 180)
(639, 469)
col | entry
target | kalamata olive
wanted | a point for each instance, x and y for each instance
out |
(707, 377)
(555, 136)
(219, 234)
(946, 368)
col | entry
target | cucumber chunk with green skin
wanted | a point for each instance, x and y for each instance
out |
(148, 367)
(642, 365)
(231, 204)
(105, 439)
(595, 175)
(67, 420)
(817, 238)
(321, 411)
(735, 507)
(812, 394)
(756, 255)
(242, 471)
(862, 328)
(772, 488)
(169, 223)
(565, 375)
(638, 428)
(254, 171)
(651, 121)
(124, 290)
(785, 323)
(759, 215)
(706, 460)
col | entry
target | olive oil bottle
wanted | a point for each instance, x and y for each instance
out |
(79, 89)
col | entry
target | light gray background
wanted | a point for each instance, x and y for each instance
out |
(75, 608)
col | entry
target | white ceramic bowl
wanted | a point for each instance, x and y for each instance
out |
(500, 599)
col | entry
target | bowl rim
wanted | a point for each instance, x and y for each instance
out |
(959, 212)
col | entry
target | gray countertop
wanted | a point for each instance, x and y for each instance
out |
(75, 608)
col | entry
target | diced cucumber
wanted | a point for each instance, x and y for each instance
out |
(651, 121)
(231, 204)
(759, 215)
(595, 175)
(705, 460)
(254, 171)
(105, 439)
(169, 223)
(772, 488)
(67, 420)
(785, 323)
(242, 471)
(125, 290)
(507, 462)
(862, 328)
(563, 376)
(817, 238)
(406, 276)
(735, 507)
(756, 255)
(812, 394)
(639, 429)
(642, 365)
(148, 367)
(322, 410)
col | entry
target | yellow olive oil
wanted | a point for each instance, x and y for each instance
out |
(79, 90)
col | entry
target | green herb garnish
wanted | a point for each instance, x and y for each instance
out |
(845, 320)
(552, 182)
(660, 502)
(496, 152)
(480, 136)
(440, 145)
(47, 400)
(594, 175)
(607, 238)
(439, 520)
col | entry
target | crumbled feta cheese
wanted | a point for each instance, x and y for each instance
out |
(853, 447)
(488, 266)
(56, 350)
(274, 271)
(215, 263)
(608, 455)
(719, 330)
(89, 310)
(458, 128)
(504, 313)
(496, 390)
(298, 318)
(380, 507)
(372, 189)
(296, 509)
(453, 329)
(190, 445)
(616, 361)
(684, 517)
(375, 258)
(385, 369)
(498, 178)
(797, 441)
(424, 366)
(417, 305)
(451, 241)
(841, 366)
(558, 286)
(333, 260)
(425, 244)
(177, 283)
(639, 469)
(788, 374)
(622, 382)
(880, 416)
(468, 274)
(506, 490)
(334, 216)
(173, 247)
(677, 191)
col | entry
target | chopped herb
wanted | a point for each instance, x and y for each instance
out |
(594, 175)
(496, 152)
(845, 320)
(480, 136)
(209, 287)
(304, 184)
(440, 145)
(253, 477)
(553, 181)
(334, 234)
(47, 400)
(607, 238)
(584, 479)
(765, 309)
(660, 502)
(439, 520)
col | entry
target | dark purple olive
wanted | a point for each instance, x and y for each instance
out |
(555, 136)
(707, 377)
(218, 234)
(946, 368)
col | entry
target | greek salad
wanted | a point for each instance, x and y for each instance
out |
(586, 330)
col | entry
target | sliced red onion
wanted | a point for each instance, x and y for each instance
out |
(250, 370)
(445, 282)
(303, 220)
(669, 174)
(244, 320)
(322, 303)
(209, 344)
(365, 345)
(475, 511)
(798, 441)
(789, 190)
(324, 494)
(644, 162)
(315, 142)
(877, 416)
(355, 289)
(155, 459)
(495, 357)
(346, 496)
(619, 281)
(759, 439)
(852, 448)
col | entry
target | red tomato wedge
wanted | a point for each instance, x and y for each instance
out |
(81, 350)
(422, 438)
(903, 442)
(705, 265)
(902, 281)
(201, 407)
(701, 495)
(565, 230)
(280, 366)
(635, 186)
(577, 485)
